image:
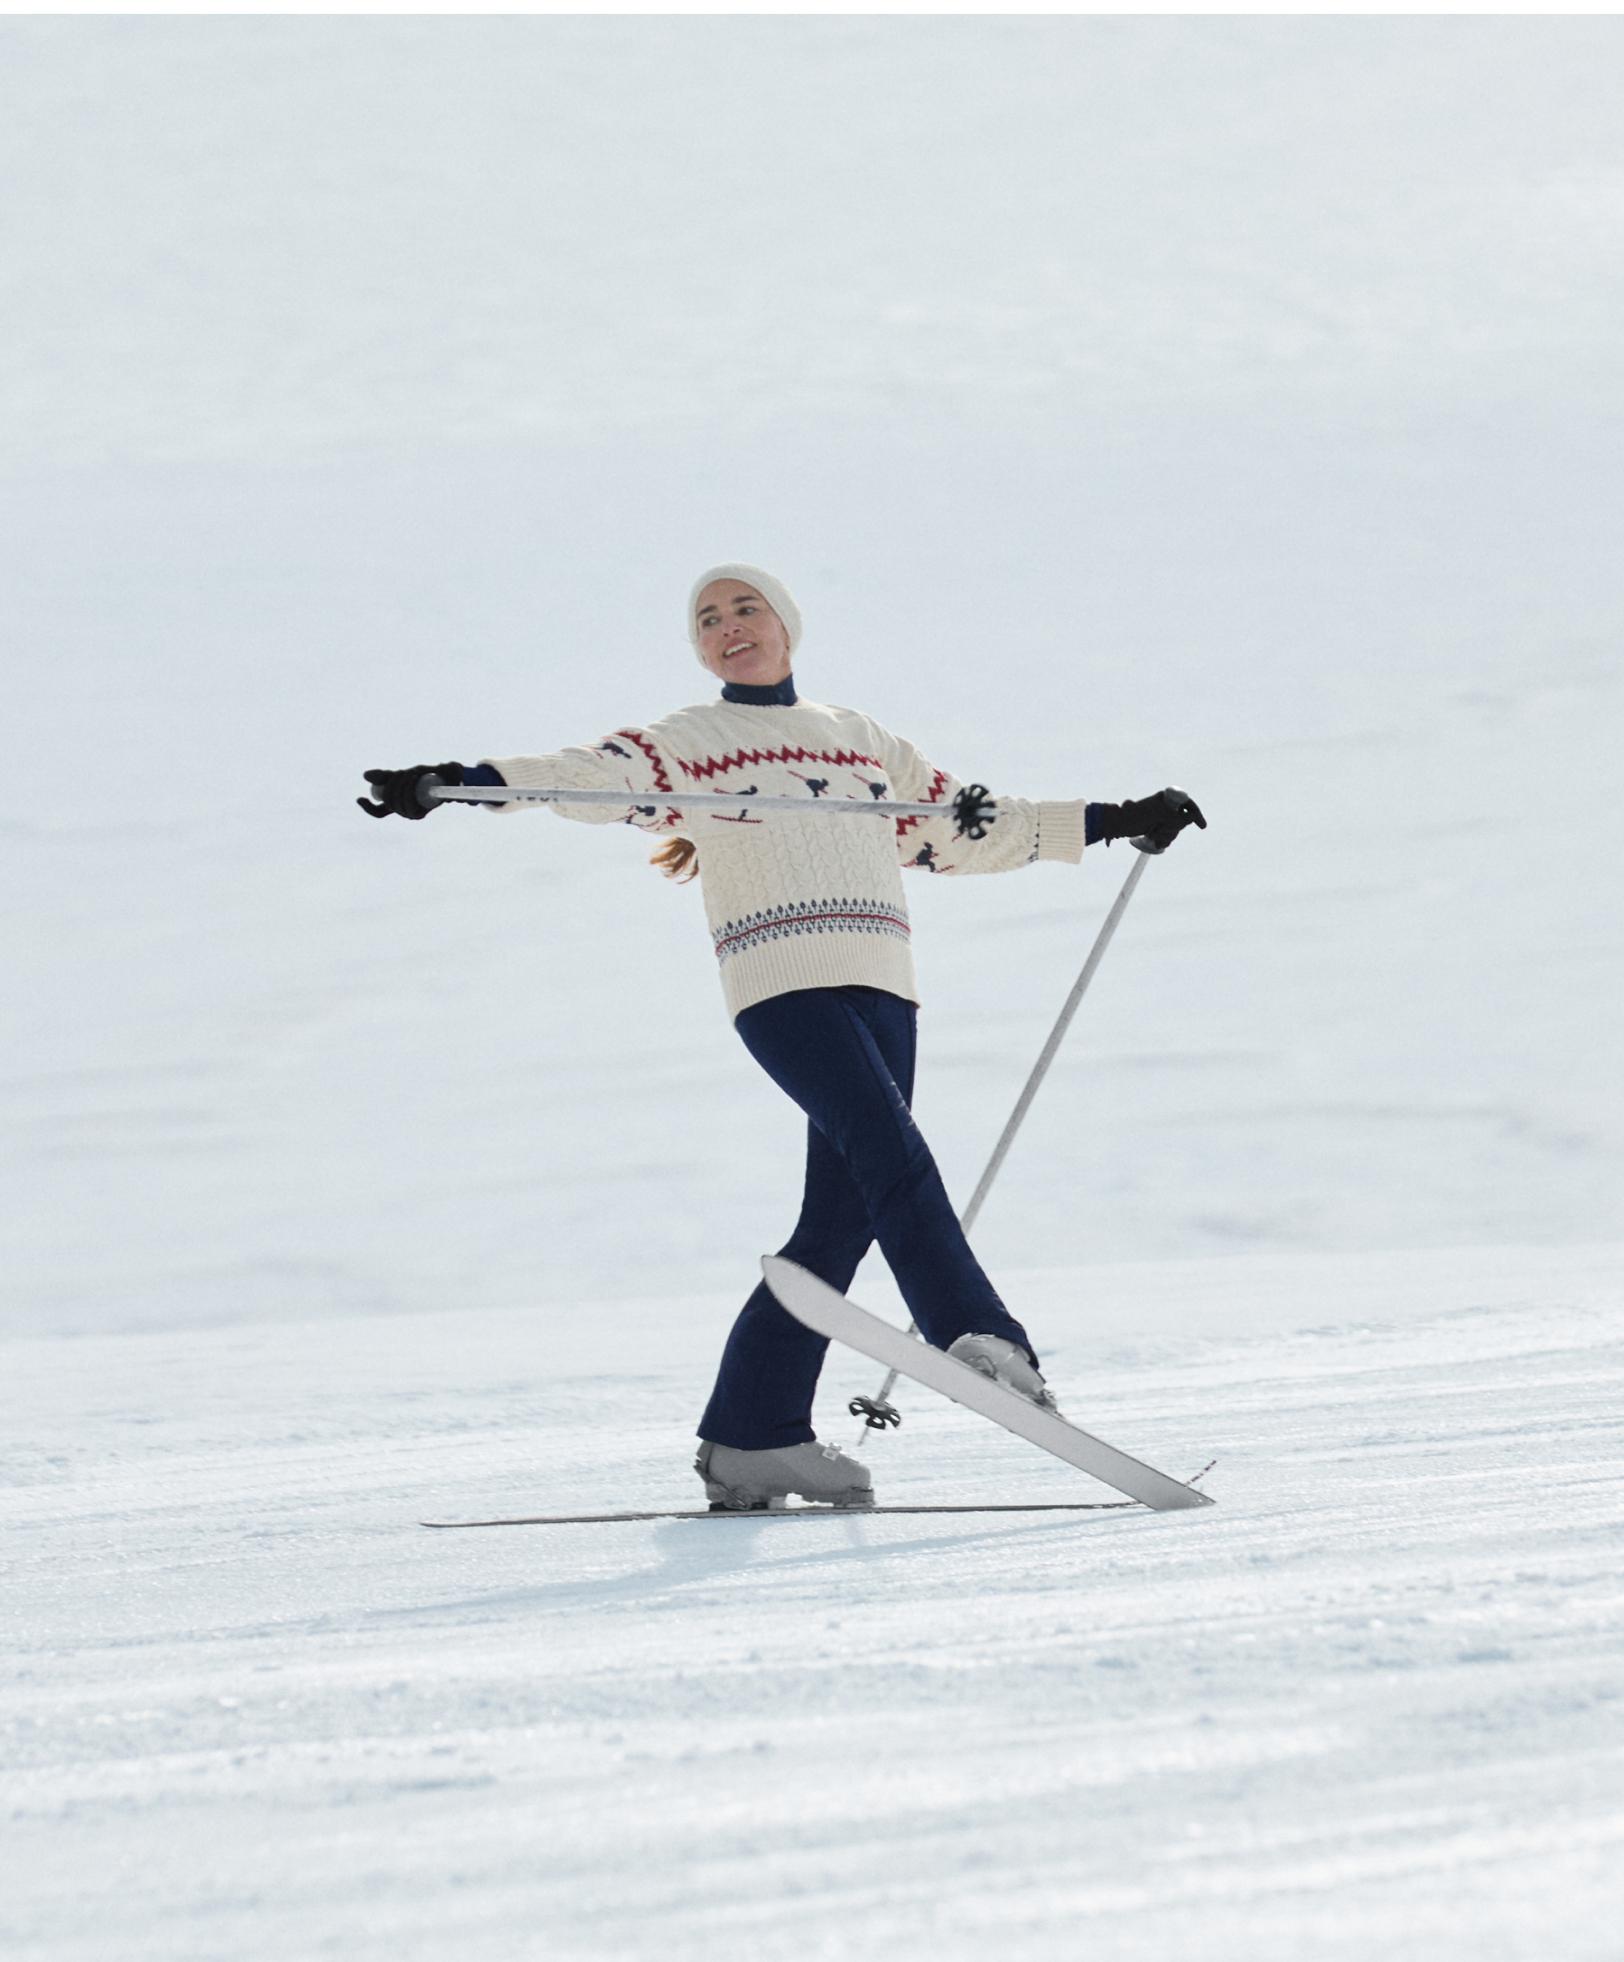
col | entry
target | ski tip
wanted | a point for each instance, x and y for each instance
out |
(776, 1267)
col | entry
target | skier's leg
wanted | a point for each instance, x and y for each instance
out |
(846, 1055)
(769, 1371)
(915, 1224)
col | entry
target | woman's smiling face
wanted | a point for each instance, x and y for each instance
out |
(740, 636)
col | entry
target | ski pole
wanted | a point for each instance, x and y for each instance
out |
(1023, 1103)
(704, 800)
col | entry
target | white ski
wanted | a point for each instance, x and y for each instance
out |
(781, 1511)
(828, 1312)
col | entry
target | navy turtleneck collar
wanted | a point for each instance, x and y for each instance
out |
(780, 695)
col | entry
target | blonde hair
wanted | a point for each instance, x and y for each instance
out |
(677, 858)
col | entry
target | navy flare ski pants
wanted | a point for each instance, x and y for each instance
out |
(846, 1056)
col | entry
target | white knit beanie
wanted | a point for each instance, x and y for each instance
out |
(772, 590)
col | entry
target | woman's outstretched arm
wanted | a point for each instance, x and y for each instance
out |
(629, 760)
(1022, 830)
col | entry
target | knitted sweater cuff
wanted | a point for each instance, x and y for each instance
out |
(486, 772)
(1060, 831)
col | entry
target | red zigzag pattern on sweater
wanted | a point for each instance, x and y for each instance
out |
(742, 759)
(938, 784)
(661, 780)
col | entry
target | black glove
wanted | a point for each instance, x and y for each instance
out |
(1151, 822)
(397, 790)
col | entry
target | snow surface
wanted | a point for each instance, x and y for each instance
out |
(1370, 1702)
(1235, 403)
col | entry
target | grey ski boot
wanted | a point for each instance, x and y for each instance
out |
(1006, 1363)
(755, 1481)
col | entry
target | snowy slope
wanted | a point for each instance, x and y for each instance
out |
(1227, 402)
(1371, 1701)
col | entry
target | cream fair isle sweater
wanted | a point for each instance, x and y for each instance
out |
(793, 902)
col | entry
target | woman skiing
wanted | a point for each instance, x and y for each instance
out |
(811, 933)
